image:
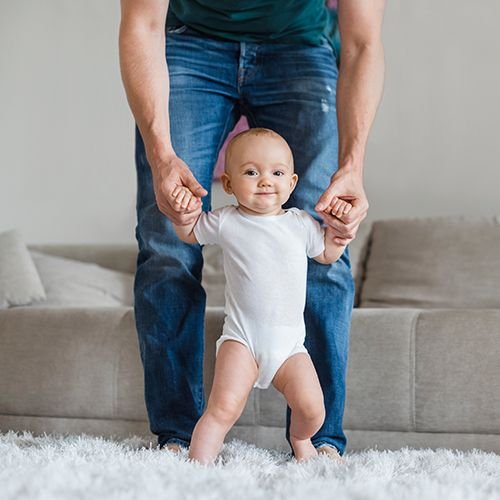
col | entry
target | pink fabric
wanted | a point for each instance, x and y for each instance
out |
(239, 127)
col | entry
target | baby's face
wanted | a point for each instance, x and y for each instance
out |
(260, 174)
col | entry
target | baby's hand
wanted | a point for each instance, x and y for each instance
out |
(184, 199)
(338, 207)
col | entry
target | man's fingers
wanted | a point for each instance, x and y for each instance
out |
(341, 229)
(342, 241)
(324, 201)
(194, 186)
(180, 218)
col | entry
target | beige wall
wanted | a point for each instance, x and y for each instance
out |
(66, 134)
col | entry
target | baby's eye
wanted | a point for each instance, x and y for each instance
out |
(251, 173)
(278, 173)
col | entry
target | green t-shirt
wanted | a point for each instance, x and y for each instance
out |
(285, 21)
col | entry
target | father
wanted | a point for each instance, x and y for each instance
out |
(189, 76)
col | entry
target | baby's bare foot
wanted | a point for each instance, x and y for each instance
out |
(303, 449)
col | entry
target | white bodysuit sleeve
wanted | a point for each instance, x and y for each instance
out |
(315, 235)
(207, 228)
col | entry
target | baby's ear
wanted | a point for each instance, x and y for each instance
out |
(293, 182)
(226, 183)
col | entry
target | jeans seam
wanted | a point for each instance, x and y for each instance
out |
(326, 443)
(175, 441)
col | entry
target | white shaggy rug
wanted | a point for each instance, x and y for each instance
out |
(84, 467)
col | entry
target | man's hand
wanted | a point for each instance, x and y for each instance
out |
(347, 186)
(168, 176)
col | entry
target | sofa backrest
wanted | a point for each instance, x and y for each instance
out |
(123, 258)
(118, 257)
(438, 262)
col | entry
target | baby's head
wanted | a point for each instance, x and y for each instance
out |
(259, 171)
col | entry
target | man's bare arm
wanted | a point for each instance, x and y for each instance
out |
(359, 90)
(144, 72)
(145, 78)
(361, 77)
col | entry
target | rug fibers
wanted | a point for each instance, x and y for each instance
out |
(58, 467)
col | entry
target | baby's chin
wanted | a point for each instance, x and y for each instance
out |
(263, 208)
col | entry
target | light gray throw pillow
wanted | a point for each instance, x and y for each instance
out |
(437, 262)
(20, 283)
(71, 283)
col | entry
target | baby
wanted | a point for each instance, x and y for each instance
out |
(265, 251)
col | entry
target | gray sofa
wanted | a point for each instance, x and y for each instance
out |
(424, 363)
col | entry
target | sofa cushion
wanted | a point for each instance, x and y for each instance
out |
(437, 262)
(20, 283)
(70, 283)
(457, 372)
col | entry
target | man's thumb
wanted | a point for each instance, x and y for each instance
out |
(324, 200)
(195, 187)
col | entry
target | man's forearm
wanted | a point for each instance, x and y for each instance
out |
(359, 91)
(361, 77)
(145, 78)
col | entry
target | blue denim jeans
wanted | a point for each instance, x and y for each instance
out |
(290, 89)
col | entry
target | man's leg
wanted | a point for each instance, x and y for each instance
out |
(291, 89)
(169, 299)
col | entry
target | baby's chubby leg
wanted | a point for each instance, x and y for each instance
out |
(297, 380)
(235, 374)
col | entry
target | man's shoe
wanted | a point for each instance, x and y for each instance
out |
(332, 453)
(174, 447)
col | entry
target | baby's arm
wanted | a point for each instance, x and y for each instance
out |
(333, 250)
(182, 197)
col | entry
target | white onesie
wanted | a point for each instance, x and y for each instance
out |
(265, 263)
